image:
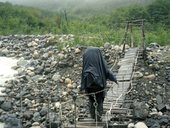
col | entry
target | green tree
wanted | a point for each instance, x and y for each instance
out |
(159, 12)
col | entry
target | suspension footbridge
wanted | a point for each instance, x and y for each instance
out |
(113, 103)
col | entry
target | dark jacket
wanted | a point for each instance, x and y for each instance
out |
(95, 69)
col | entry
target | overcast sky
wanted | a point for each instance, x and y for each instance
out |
(70, 4)
(64, 1)
(61, 3)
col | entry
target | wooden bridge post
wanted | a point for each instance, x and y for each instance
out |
(143, 40)
(124, 42)
(131, 36)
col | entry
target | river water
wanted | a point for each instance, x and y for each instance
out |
(6, 71)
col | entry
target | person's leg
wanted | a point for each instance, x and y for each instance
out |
(100, 100)
(91, 106)
(91, 102)
(96, 101)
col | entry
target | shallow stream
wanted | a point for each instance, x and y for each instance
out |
(6, 71)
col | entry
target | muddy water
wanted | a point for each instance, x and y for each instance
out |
(6, 71)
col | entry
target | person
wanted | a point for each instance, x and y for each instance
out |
(95, 73)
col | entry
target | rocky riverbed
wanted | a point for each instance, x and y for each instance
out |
(48, 79)
(151, 87)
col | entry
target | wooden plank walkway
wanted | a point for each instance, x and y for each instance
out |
(116, 94)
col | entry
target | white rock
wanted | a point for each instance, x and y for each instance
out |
(78, 87)
(35, 55)
(53, 64)
(153, 113)
(5, 51)
(37, 40)
(67, 81)
(72, 107)
(138, 74)
(154, 110)
(34, 43)
(30, 73)
(150, 77)
(70, 86)
(22, 62)
(61, 39)
(45, 55)
(117, 48)
(56, 76)
(26, 100)
(75, 65)
(35, 124)
(77, 50)
(146, 73)
(33, 101)
(131, 125)
(71, 35)
(60, 55)
(31, 68)
(107, 45)
(64, 93)
(31, 44)
(160, 113)
(140, 125)
(50, 53)
(57, 105)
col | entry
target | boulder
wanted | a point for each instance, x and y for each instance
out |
(140, 110)
(140, 125)
(6, 106)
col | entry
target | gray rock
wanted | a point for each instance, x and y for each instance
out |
(28, 115)
(6, 106)
(107, 45)
(152, 123)
(56, 76)
(2, 99)
(138, 75)
(159, 99)
(53, 124)
(22, 62)
(160, 106)
(44, 111)
(163, 120)
(45, 56)
(4, 51)
(11, 121)
(36, 117)
(140, 110)
(131, 125)
(154, 45)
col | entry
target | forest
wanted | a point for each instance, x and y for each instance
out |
(105, 25)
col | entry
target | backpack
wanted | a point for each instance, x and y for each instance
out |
(92, 81)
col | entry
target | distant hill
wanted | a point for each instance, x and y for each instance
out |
(15, 19)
